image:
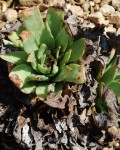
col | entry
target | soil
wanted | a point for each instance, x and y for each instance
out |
(76, 123)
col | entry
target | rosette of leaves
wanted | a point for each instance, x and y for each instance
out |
(48, 55)
(110, 79)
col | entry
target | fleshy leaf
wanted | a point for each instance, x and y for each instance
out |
(44, 89)
(54, 69)
(78, 49)
(15, 39)
(115, 86)
(35, 77)
(112, 54)
(19, 75)
(29, 41)
(41, 51)
(101, 105)
(33, 22)
(32, 59)
(65, 59)
(29, 87)
(6, 42)
(110, 74)
(55, 20)
(18, 57)
(70, 41)
(61, 40)
(47, 38)
(43, 69)
(71, 73)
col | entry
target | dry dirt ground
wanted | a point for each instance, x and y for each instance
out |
(32, 125)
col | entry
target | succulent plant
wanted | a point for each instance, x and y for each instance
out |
(48, 55)
(110, 79)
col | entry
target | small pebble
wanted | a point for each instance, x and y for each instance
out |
(105, 2)
(7, 26)
(97, 1)
(91, 3)
(110, 29)
(96, 8)
(116, 4)
(81, 1)
(97, 18)
(107, 10)
(114, 18)
(10, 15)
(86, 7)
(76, 10)
(1, 24)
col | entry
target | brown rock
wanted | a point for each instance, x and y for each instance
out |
(1, 24)
(86, 15)
(91, 3)
(76, 10)
(97, 18)
(107, 10)
(97, 1)
(3, 6)
(29, 3)
(91, 9)
(105, 2)
(81, 1)
(116, 4)
(10, 15)
(96, 8)
(56, 2)
(86, 7)
(114, 18)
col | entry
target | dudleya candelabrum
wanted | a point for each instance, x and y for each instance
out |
(110, 79)
(48, 55)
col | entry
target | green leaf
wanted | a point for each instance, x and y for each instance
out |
(21, 28)
(55, 69)
(78, 49)
(112, 54)
(6, 42)
(19, 75)
(15, 39)
(55, 20)
(18, 57)
(57, 51)
(101, 105)
(42, 50)
(32, 59)
(47, 38)
(115, 86)
(118, 75)
(110, 74)
(61, 40)
(29, 41)
(43, 69)
(33, 22)
(44, 89)
(71, 73)
(35, 77)
(29, 87)
(70, 41)
(65, 59)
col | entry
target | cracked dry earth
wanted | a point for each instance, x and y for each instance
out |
(71, 121)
